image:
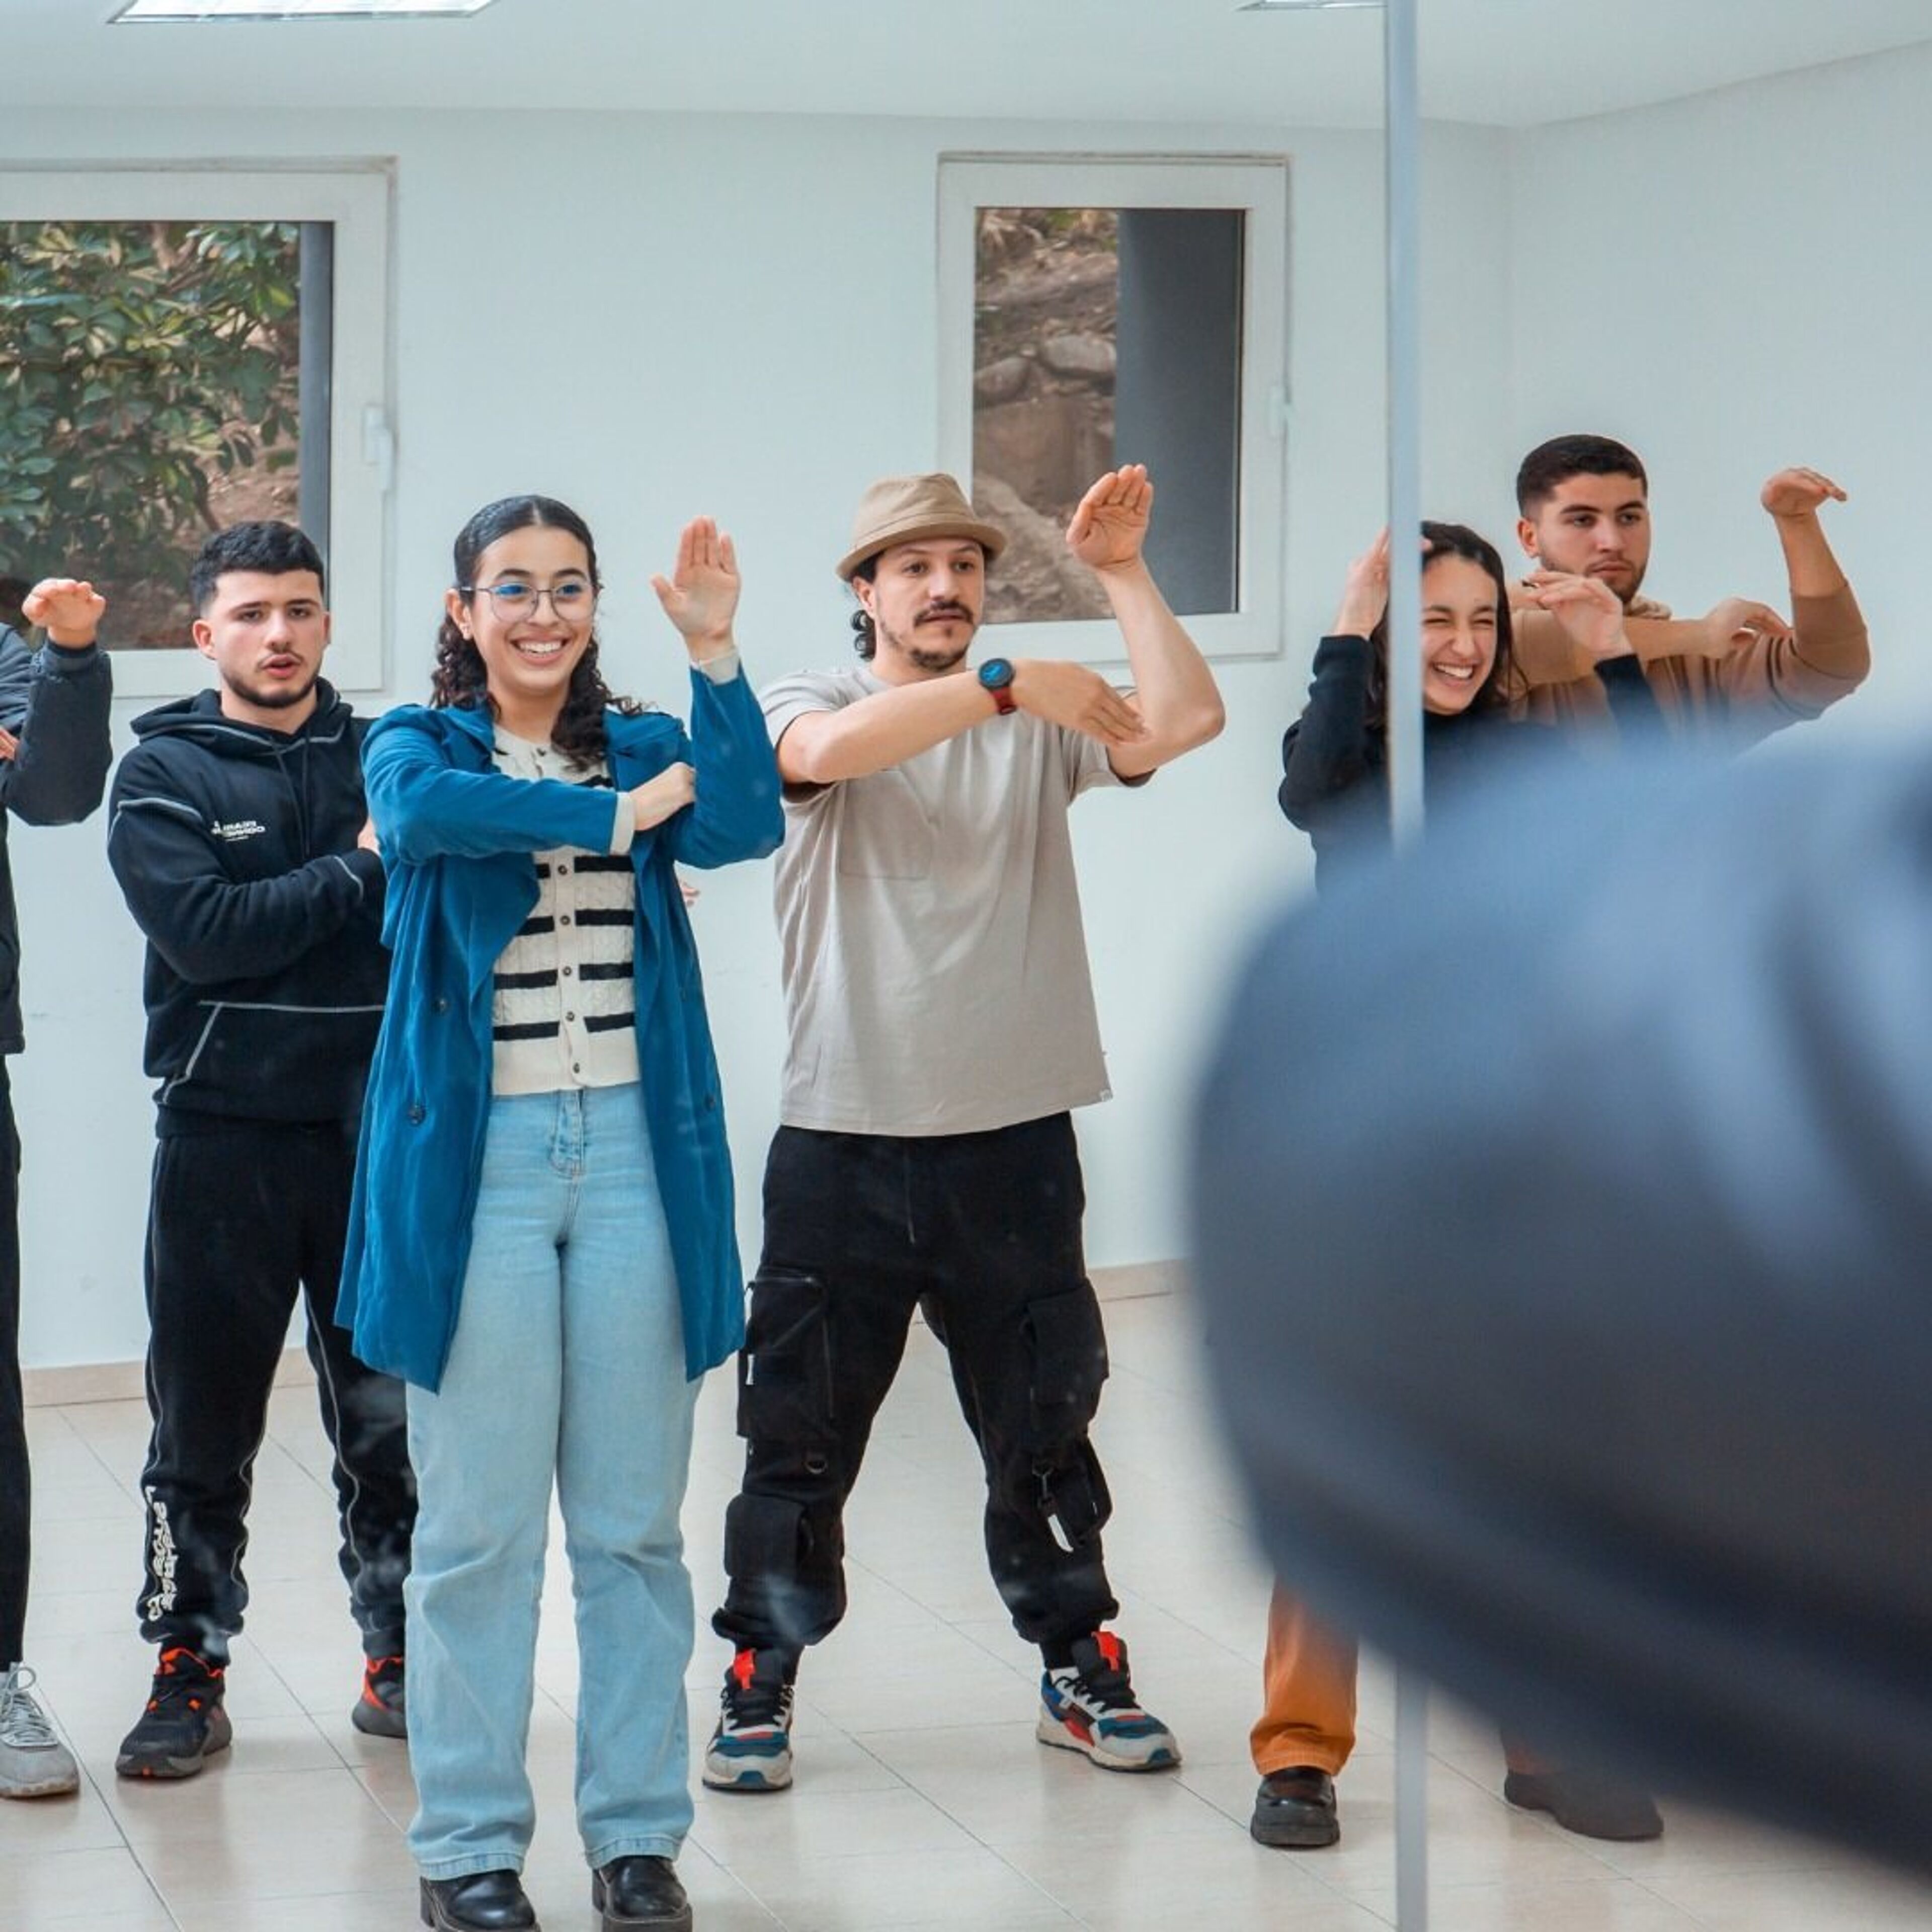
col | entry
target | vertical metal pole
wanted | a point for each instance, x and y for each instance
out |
(1402, 133)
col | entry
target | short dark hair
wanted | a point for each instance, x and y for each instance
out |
(1555, 462)
(275, 550)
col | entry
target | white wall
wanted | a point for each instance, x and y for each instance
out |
(1736, 282)
(736, 317)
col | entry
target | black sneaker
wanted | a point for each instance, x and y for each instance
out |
(751, 1749)
(639, 1891)
(183, 1725)
(380, 1711)
(1089, 1706)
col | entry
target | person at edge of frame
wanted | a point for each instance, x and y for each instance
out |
(54, 755)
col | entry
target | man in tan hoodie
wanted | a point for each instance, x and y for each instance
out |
(1734, 676)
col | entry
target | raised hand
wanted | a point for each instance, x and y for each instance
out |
(1740, 620)
(656, 799)
(1365, 593)
(1590, 612)
(1111, 523)
(1080, 699)
(700, 596)
(69, 612)
(1799, 492)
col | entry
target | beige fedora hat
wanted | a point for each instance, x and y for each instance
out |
(905, 509)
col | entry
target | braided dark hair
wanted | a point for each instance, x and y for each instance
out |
(461, 679)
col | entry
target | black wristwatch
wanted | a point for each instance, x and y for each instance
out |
(996, 675)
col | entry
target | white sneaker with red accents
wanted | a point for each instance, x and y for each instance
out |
(1089, 1707)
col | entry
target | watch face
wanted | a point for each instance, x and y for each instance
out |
(996, 674)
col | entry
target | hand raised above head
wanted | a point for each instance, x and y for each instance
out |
(1799, 492)
(1111, 523)
(1365, 591)
(69, 611)
(700, 596)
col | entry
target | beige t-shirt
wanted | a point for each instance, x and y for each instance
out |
(935, 967)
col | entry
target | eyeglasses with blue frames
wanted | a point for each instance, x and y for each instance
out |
(571, 599)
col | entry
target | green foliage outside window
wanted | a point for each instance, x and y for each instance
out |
(149, 384)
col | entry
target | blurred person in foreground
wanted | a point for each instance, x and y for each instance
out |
(1582, 1334)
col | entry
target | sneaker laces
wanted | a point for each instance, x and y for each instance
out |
(174, 1680)
(1102, 1679)
(751, 1698)
(23, 1724)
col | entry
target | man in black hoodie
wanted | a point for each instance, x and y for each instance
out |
(238, 832)
(54, 755)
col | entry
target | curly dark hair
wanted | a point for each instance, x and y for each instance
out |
(461, 679)
(1446, 540)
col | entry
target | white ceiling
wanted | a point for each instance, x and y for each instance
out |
(1506, 62)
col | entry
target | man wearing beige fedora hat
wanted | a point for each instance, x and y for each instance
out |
(942, 1028)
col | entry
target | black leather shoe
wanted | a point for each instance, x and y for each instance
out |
(1591, 1806)
(1294, 1810)
(491, 1901)
(639, 1891)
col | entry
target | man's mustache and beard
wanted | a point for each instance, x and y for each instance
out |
(930, 659)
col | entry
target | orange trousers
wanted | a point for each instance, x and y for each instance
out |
(1308, 1697)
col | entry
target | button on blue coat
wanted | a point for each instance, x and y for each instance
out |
(458, 837)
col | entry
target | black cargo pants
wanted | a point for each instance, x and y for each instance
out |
(982, 1232)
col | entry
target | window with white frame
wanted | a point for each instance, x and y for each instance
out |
(181, 349)
(1095, 312)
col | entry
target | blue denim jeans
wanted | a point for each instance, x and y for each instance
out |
(568, 1362)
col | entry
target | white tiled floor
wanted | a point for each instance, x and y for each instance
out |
(922, 1799)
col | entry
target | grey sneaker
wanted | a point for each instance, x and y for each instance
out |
(33, 1763)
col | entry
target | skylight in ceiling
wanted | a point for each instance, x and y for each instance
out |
(177, 10)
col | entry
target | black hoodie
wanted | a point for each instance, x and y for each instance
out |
(235, 849)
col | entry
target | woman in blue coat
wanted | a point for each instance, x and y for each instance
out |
(541, 1242)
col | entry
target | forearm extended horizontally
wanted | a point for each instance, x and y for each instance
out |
(884, 729)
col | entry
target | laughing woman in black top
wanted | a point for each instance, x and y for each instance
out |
(1334, 757)
(1335, 787)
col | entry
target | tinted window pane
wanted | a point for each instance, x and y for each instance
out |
(1105, 335)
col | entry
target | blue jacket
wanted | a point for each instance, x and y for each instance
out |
(458, 836)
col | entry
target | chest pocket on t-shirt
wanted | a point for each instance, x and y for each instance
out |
(883, 831)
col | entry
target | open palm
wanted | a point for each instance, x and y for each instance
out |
(700, 596)
(1110, 524)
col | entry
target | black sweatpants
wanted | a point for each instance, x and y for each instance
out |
(16, 1495)
(245, 1215)
(982, 1231)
